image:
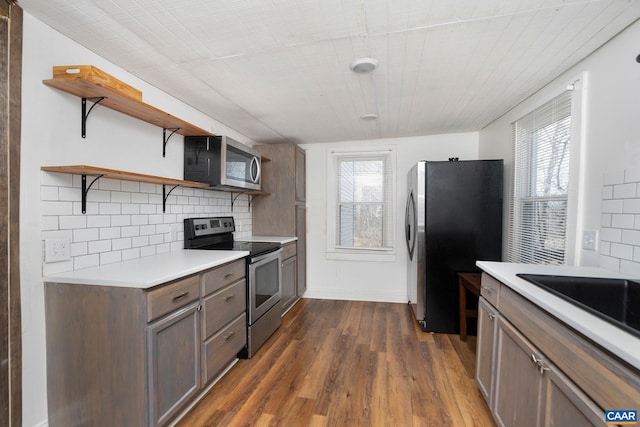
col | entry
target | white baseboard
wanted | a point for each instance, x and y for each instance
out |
(356, 295)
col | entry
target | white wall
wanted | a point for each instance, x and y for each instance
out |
(51, 136)
(363, 280)
(610, 140)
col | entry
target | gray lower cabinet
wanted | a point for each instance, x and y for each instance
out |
(137, 357)
(533, 370)
(174, 368)
(288, 274)
(487, 327)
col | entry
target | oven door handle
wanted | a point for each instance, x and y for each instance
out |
(259, 258)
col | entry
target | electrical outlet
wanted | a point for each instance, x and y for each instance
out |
(56, 250)
(590, 240)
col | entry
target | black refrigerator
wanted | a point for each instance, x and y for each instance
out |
(453, 218)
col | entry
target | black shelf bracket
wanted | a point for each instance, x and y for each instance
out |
(166, 138)
(85, 114)
(251, 197)
(165, 196)
(85, 190)
(233, 199)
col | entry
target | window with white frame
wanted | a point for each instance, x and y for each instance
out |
(361, 201)
(538, 210)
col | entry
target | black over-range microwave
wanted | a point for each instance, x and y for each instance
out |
(221, 162)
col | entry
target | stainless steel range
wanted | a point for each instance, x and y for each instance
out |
(264, 284)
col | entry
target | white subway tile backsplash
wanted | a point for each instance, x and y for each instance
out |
(130, 253)
(130, 231)
(57, 208)
(120, 220)
(631, 206)
(624, 191)
(72, 221)
(85, 234)
(56, 179)
(98, 221)
(622, 221)
(110, 233)
(109, 209)
(139, 198)
(86, 261)
(622, 251)
(631, 237)
(611, 235)
(140, 241)
(110, 184)
(130, 186)
(110, 257)
(612, 206)
(98, 246)
(119, 244)
(125, 219)
(620, 235)
(120, 197)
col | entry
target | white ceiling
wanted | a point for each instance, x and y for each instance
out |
(278, 70)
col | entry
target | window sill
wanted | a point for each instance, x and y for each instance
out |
(374, 256)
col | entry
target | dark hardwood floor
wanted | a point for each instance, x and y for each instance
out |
(349, 363)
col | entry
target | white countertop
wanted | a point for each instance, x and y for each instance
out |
(283, 240)
(148, 271)
(617, 341)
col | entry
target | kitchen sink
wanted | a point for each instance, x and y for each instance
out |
(614, 300)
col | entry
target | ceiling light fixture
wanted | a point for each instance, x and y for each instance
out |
(369, 117)
(364, 65)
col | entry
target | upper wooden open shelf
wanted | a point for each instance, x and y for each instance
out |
(85, 170)
(89, 82)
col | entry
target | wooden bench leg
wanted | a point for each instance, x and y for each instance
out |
(463, 310)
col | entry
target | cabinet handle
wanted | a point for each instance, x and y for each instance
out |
(226, 276)
(182, 295)
(488, 289)
(228, 297)
(228, 337)
(491, 316)
(539, 363)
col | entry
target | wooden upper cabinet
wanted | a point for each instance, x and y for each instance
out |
(284, 178)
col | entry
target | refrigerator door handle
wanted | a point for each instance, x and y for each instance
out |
(409, 223)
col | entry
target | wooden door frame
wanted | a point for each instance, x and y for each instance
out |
(10, 122)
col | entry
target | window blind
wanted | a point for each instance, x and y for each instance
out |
(364, 208)
(538, 206)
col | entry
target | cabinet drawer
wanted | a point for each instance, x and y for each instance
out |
(222, 276)
(223, 347)
(288, 250)
(490, 289)
(223, 306)
(170, 297)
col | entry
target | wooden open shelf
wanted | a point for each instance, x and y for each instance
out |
(90, 83)
(98, 172)
(122, 175)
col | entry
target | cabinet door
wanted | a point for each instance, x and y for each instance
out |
(487, 326)
(518, 382)
(174, 362)
(564, 404)
(289, 292)
(301, 233)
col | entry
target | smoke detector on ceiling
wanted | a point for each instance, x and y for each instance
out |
(364, 65)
